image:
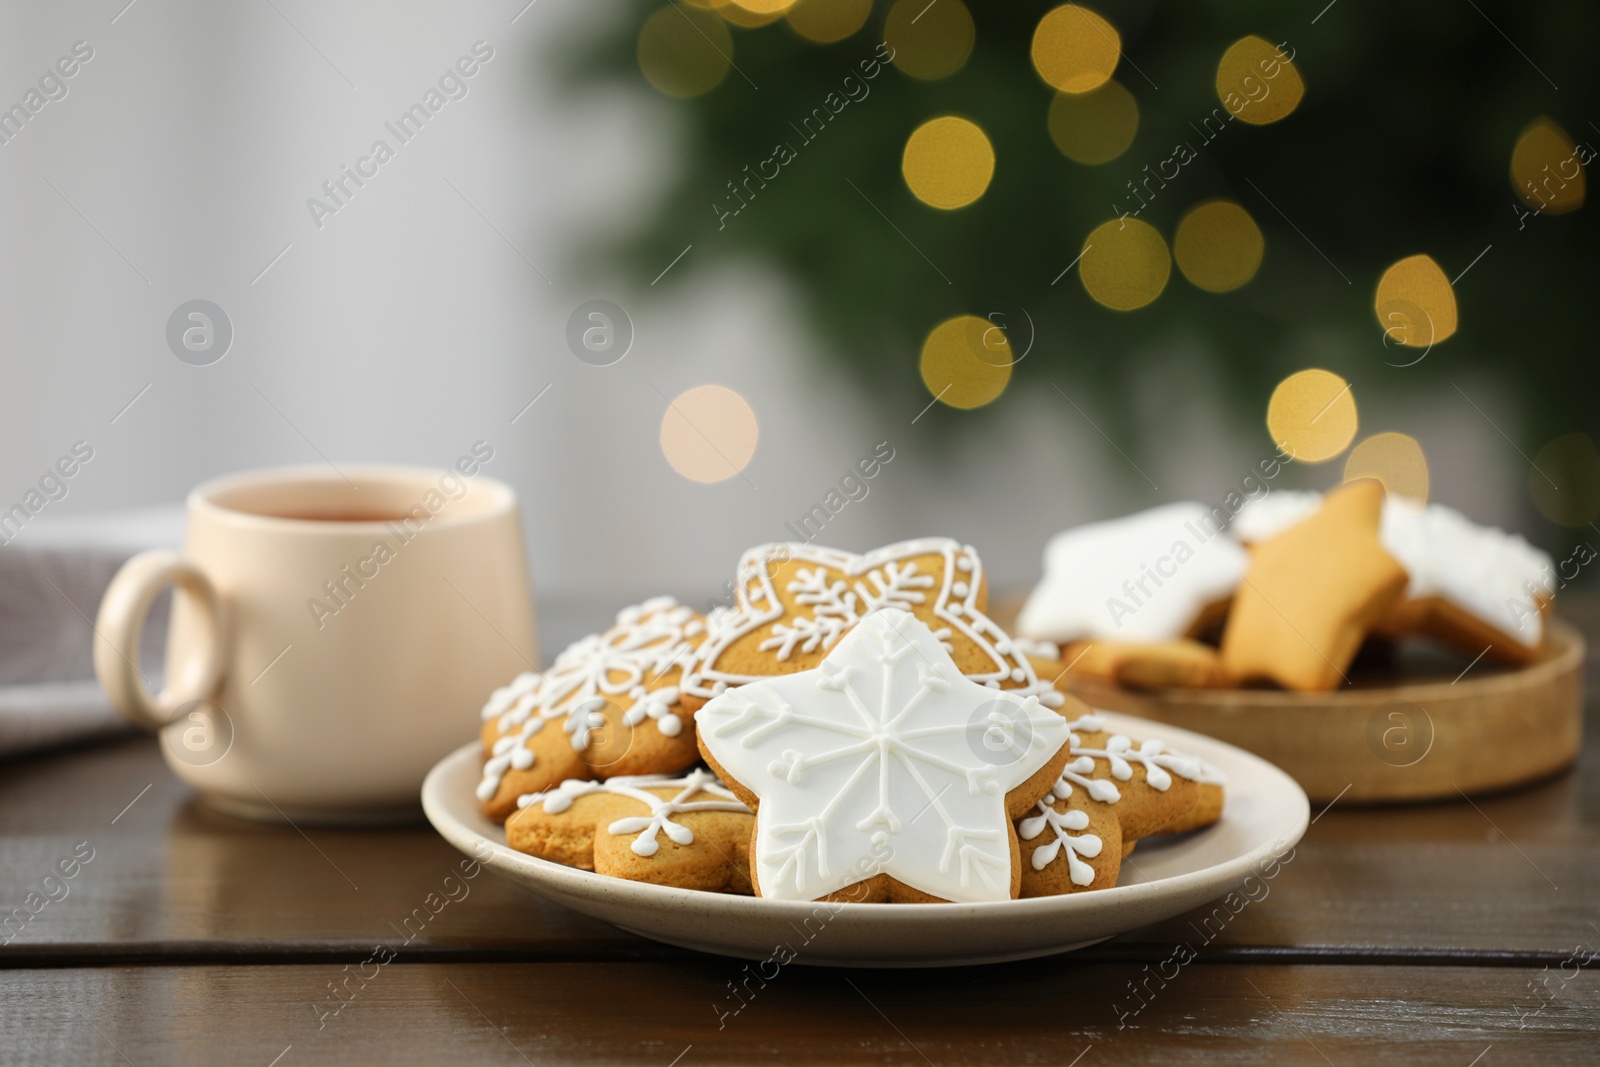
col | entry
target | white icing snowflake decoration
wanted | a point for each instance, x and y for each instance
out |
(1121, 754)
(638, 787)
(1062, 824)
(833, 590)
(515, 698)
(886, 742)
(647, 641)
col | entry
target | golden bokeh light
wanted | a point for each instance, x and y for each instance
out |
(709, 433)
(762, 7)
(1125, 264)
(1415, 303)
(929, 40)
(1258, 83)
(966, 362)
(948, 162)
(684, 51)
(1218, 246)
(1094, 127)
(1312, 415)
(827, 21)
(1396, 460)
(1074, 49)
(1546, 170)
(745, 16)
(1565, 480)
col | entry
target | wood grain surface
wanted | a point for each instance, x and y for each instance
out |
(682, 1014)
(1454, 933)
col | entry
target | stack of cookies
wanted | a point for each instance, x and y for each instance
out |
(854, 727)
(1286, 593)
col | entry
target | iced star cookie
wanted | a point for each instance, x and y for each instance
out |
(1312, 594)
(794, 602)
(1158, 575)
(688, 832)
(1268, 516)
(1112, 792)
(608, 706)
(1470, 586)
(1475, 588)
(884, 773)
(1158, 665)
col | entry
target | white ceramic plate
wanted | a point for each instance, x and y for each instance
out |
(1266, 813)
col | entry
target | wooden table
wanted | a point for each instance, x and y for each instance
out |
(1458, 934)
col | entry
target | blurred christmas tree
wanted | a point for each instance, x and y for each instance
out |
(1089, 184)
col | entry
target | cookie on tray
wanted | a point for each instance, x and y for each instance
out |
(1475, 588)
(1157, 665)
(1156, 576)
(884, 773)
(1312, 594)
(795, 602)
(689, 832)
(608, 706)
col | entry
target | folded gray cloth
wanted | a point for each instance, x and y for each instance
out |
(52, 576)
(51, 713)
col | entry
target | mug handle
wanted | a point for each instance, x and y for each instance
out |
(119, 629)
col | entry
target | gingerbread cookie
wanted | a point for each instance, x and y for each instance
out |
(1156, 787)
(508, 706)
(794, 602)
(884, 773)
(689, 832)
(1213, 795)
(1070, 844)
(1112, 792)
(608, 706)
(1268, 516)
(1159, 665)
(1473, 587)
(1159, 575)
(1039, 652)
(1312, 594)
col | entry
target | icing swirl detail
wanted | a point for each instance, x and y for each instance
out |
(834, 590)
(696, 783)
(1120, 753)
(647, 641)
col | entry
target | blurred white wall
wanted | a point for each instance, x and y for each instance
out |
(432, 307)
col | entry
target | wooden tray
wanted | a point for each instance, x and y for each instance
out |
(1407, 730)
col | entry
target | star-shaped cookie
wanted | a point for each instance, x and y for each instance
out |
(794, 602)
(1312, 594)
(1159, 575)
(1475, 588)
(885, 765)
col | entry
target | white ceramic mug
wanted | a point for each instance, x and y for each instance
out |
(333, 635)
